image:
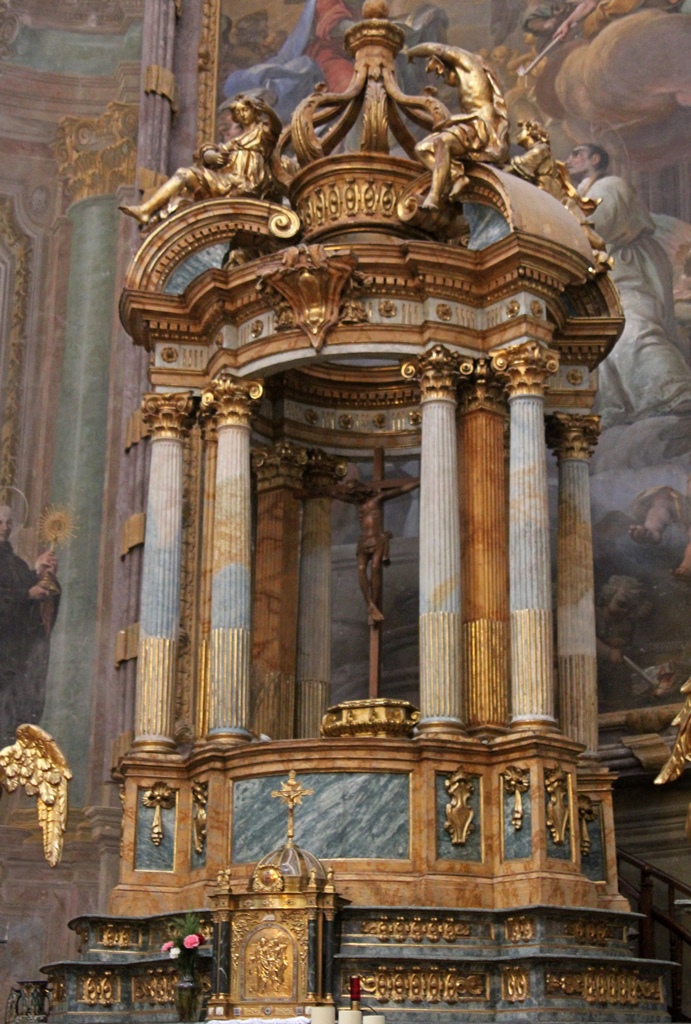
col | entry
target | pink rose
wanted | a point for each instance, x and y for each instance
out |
(190, 941)
(166, 946)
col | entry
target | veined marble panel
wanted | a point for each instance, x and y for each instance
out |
(593, 862)
(517, 842)
(471, 850)
(148, 856)
(351, 814)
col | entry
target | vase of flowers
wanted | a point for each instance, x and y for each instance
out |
(183, 947)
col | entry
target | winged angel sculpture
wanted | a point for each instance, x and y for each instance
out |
(681, 751)
(35, 762)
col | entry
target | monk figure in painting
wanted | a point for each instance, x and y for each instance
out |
(238, 167)
(479, 133)
(373, 542)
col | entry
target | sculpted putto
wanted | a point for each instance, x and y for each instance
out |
(238, 167)
(480, 132)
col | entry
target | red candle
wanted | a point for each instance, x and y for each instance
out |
(355, 992)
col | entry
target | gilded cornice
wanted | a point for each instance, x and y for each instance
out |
(229, 400)
(97, 155)
(525, 368)
(571, 436)
(167, 416)
(437, 372)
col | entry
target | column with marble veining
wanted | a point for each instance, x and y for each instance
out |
(158, 90)
(572, 438)
(440, 554)
(279, 470)
(314, 604)
(525, 369)
(167, 418)
(230, 399)
(484, 549)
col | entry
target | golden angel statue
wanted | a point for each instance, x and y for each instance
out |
(479, 133)
(36, 762)
(681, 751)
(237, 167)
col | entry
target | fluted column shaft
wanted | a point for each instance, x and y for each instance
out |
(166, 416)
(525, 369)
(210, 449)
(231, 586)
(279, 470)
(314, 609)
(440, 554)
(572, 437)
(484, 550)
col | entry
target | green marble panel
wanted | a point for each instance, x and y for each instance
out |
(518, 844)
(148, 856)
(593, 863)
(351, 814)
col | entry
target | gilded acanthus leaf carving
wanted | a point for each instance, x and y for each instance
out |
(459, 814)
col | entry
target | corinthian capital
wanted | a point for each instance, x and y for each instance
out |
(279, 465)
(229, 400)
(480, 387)
(437, 371)
(525, 368)
(167, 416)
(322, 472)
(571, 436)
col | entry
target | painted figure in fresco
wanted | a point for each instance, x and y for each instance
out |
(373, 542)
(28, 607)
(597, 14)
(238, 167)
(647, 373)
(479, 133)
(656, 509)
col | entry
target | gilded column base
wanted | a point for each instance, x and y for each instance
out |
(229, 684)
(440, 670)
(485, 646)
(156, 667)
(532, 682)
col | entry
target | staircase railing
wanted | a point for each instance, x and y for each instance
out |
(654, 894)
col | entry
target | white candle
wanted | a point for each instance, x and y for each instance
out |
(374, 1018)
(323, 1015)
(350, 1017)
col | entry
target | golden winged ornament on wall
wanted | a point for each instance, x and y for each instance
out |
(36, 762)
(681, 751)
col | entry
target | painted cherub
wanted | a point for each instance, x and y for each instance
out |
(656, 509)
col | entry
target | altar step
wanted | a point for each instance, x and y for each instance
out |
(527, 964)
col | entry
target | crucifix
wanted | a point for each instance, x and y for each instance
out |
(373, 547)
(291, 793)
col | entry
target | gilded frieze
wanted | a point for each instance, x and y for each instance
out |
(608, 985)
(398, 984)
(156, 987)
(519, 929)
(417, 929)
(515, 984)
(98, 988)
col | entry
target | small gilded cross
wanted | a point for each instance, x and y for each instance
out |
(291, 793)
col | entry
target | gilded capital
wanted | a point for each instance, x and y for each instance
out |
(167, 416)
(279, 465)
(97, 155)
(480, 388)
(229, 400)
(572, 436)
(437, 372)
(525, 368)
(322, 471)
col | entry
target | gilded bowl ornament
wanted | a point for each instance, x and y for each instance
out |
(373, 717)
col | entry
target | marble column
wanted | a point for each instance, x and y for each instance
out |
(230, 400)
(572, 438)
(314, 607)
(484, 549)
(525, 369)
(95, 157)
(279, 470)
(167, 417)
(440, 554)
(210, 452)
